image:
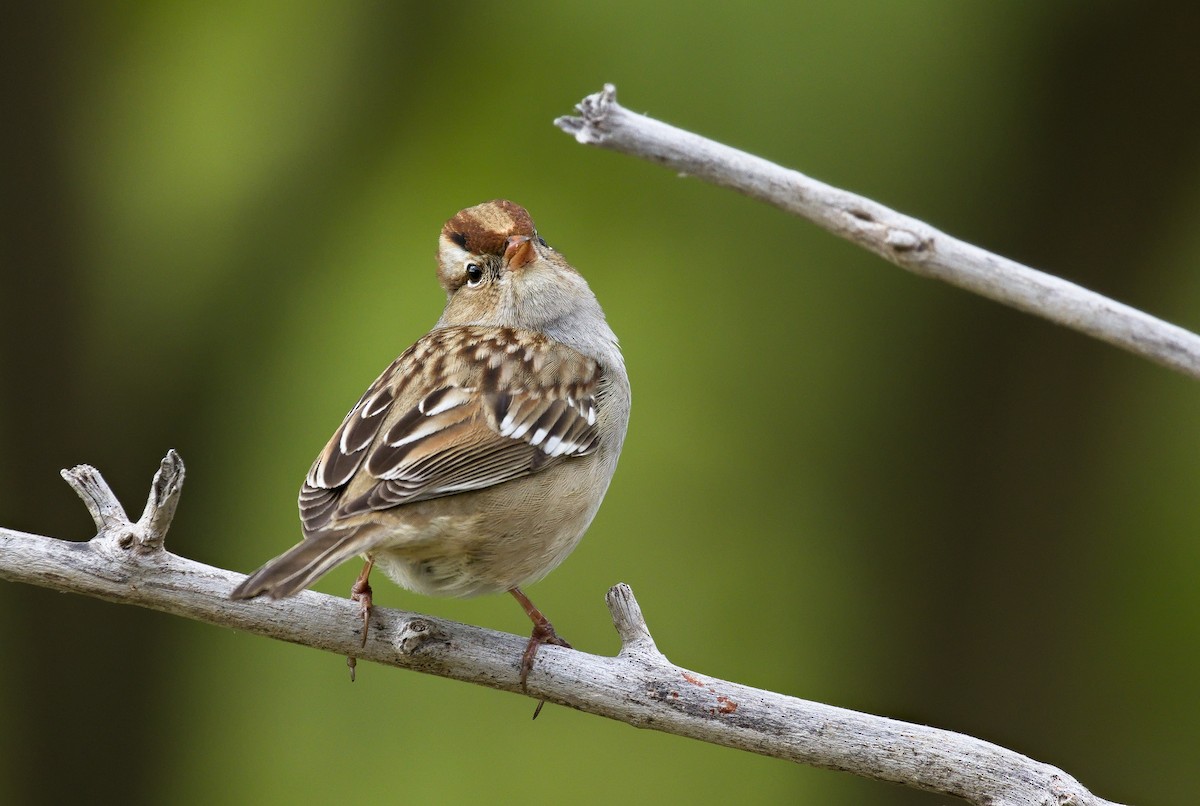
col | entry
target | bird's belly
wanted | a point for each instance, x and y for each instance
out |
(462, 565)
(489, 546)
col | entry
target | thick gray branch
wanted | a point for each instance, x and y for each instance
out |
(126, 562)
(900, 239)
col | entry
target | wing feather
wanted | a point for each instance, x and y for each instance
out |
(464, 408)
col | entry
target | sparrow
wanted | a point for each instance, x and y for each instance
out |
(477, 460)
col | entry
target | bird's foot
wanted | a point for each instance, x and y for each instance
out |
(361, 592)
(543, 633)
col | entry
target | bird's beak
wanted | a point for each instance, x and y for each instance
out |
(518, 251)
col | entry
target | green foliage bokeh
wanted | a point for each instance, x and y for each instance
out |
(840, 482)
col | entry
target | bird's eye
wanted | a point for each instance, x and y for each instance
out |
(542, 241)
(474, 275)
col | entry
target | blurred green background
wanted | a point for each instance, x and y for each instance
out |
(841, 482)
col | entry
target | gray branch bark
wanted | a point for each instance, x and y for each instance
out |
(909, 243)
(126, 562)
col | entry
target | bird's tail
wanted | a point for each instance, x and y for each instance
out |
(304, 563)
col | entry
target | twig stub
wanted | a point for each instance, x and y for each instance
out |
(97, 496)
(628, 619)
(113, 527)
(161, 503)
(589, 127)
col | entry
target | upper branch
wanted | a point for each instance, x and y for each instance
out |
(126, 562)
(900, 239)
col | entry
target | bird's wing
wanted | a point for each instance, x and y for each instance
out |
(462, 409)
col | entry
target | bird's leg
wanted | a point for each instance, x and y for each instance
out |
(360, 592)
(543, 633)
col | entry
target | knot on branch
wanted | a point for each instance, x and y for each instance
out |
(859, 219)
(415, 633)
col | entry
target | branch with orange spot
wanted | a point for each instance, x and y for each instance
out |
(127, 562)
